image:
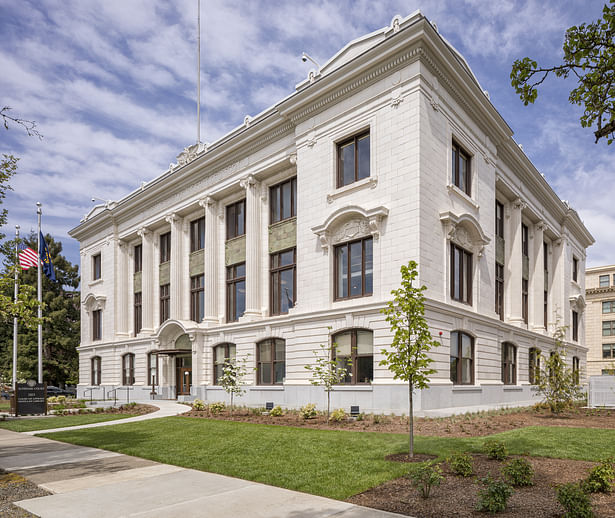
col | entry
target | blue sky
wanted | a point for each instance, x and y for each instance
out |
(112, 87)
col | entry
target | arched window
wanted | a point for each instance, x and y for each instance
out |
(95, 372)
(222, 353)
(462, 358)
(128, 369)
(355, 351)
(271, 362)
(509, 364)
(576, 368)
(534, 365)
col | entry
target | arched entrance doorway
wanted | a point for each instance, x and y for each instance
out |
(183, 365)
(174, 361)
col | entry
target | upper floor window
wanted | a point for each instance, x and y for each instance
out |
(197, 298)
(499, 290)
(138, 312)
(509, 364)
(575, 326)
(152, 369)
(545, 259)
(95, 374)
(235, 291)
(283, 200)
(608, 306)
(354, 269)
(534, 365)
(499, 219)
(197, 234)
(353, 159)
(462, 176)
(138, 258)
(576, 369)
(128, 369)
(271, 362)
(165, 302)
(525, 242)
(604, 281)
(222, 354)
(608, 328)
(165, 247)
(355, 352)
(96, 267)
(575, 270)
(236, 219)
(462, 358)
(461, 274)
(283, 281)
(97, 324)
(608, 351)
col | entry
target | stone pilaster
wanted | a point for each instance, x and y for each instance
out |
(537, 279)
(513, 273)
(185, 275)
(253, 229)
(211, 260)
(147, 280)
(176, 265)
(122, 289)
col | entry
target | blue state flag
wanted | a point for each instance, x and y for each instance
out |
(46, 260)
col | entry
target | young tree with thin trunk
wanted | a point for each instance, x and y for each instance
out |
(408, 359)
(233, 372)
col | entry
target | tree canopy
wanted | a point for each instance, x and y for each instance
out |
(589, 55)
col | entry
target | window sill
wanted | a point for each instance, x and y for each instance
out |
(467, 388)
(452, 188)
(369, 182)
(282, 221)
(96, 282)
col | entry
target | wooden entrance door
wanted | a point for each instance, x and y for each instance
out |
(183, 375)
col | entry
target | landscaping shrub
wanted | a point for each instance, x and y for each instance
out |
(52, 399)
(494, 496)
(61, 399)
(519, 472)
(338, 415)
(308, 411)
(198, 405)
(276, 411)
(361, 416)
(425, 476)
(600, 478)
(216, 408)
(495, 450)
(461, 464)
(575, 501)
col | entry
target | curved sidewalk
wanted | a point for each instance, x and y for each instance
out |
(166, 408)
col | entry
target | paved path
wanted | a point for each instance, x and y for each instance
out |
(93, 483)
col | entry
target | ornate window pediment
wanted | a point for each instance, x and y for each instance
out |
(350, 222)
(465, 231)
(577, 303)
(94, 302)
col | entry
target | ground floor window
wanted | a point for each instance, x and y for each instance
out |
(128, 369)
(222, 353)
(271, 361)
(509, 366)
(95, 364)
(355, 352)
(462, 358)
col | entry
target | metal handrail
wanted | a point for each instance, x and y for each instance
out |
(127, 389)
(114, 395)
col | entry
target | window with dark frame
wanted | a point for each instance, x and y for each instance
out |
(545, 258)
(354, 269)
(534, 365)
(461, 170)
(283, 201)
(152, 369)
(509, 364)
(271, 361)
(128, 369)
(222, 353)
(575, 269)
(499, 219)
(575, 326)
(608, 351)
(499, 266)
(165, 247)
(197, 298)
(235, 291)
(462, 358)
(236, 219)
(576, 369)
(97, 324)
(525, 251)
(138, 312)
(138, 258)
(197, 234)
(525, 240)
(608, 328)
(525, 299)
(95, 374)
(603, 281)
(608, 306)
(354, 351)
(353, 159)
(283, 281)
(165, 302)
(461, 274)
(96, 267)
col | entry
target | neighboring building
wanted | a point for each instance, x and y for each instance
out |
(289, 232)
(600, 320)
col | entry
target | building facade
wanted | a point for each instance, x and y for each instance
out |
(600, 320)
(289, 233)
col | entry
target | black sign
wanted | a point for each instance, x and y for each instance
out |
(31, 398)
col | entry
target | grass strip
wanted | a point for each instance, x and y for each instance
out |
(46, 423)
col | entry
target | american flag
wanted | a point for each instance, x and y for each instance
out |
(27, 257)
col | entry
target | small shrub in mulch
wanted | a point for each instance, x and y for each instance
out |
(495, 450)
(600, 478)
(494, 496)
(574, 500)
(461, 464)
(425, 476)
(519, 472)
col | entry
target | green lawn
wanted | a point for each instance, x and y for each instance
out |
(46, 423)
(336, 464)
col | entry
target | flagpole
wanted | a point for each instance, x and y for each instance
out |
(15, 330)
(39, 211)
(198, 79)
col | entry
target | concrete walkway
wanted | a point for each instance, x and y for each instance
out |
(93, 483)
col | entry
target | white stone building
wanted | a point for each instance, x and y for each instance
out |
(390, 152)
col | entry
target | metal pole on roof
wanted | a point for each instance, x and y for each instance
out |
(198, 79)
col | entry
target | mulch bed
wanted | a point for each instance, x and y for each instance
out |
(458, 496)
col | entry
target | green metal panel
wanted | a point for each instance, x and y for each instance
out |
(165, 273)
(137, 282)
(282, 235)
(235, 251)
(197, 262)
